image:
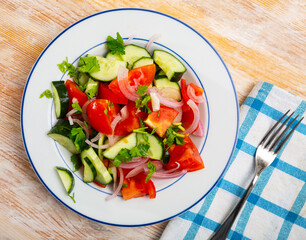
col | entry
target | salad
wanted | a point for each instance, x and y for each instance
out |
(126, 118)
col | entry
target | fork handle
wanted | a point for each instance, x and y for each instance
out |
(227, 224)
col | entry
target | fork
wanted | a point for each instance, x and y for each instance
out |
(266, 152)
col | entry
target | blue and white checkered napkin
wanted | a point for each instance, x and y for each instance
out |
(276, 207)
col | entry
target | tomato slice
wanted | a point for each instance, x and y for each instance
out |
(106, 93)
(186, 155)
(97, 112)
(197, 90)
(141, 76)
(161, 119)
(137, 187)
(127, 126)
(74, 92)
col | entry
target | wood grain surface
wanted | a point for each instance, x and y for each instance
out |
(259, 40)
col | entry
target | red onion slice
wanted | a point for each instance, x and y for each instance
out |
(126, 42)
(97, 137)
(178, 118)
(113, 139)
(196, 117)
(123, 82)
(118, 189)
(155, 101)
(97, 146)
(116, 120)
(158, 165)
(169, 175)
(71, 112)
(191, 94)
(130, 165)
(164, 100)
(114, 171)
(200, 131)
(152, 39)
(135, 171)
(124, 113)
(70, 120)
(174, 169)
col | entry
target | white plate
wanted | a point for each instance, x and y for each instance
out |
(204, 67)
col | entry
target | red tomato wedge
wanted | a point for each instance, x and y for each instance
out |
(136, 187)
(101, 113)
(141, 76)
(186, 155)
(106, 93)
(127, 126)
(161, 119)
(74, 92)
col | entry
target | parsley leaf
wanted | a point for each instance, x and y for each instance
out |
(105, 112)
(140, 150)
(66, 66)
(47, 93)
(91, 93)
(122, 156)
(173, 137)
(89, 64)
(152, 169)
(72, 197)
(78, 137)
(141, 103)
(124, 185)
(76, 161)
(76, 106)
(142, 89)
(115, 45)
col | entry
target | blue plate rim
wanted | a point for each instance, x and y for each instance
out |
(129, 9)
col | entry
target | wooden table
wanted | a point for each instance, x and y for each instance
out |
(259, 40)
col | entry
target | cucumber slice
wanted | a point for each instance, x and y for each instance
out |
(128, 142)
(101, 142)
(83, 78)
(66, 177)
(103, 176)
(90, 172)
(161, 74)
(133, 53)
(143, 62)
(92, 87)
(60, 133)
(156, 150)
(162, 83)
(61, 99)
(173, 68)
(115, 56)
(108, 69)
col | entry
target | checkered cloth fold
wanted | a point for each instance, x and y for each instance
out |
(276, 207)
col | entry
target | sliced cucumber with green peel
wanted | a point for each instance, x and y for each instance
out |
(66, 177)
(83, 78)
(61, 132)
(173, 68)
(133, 53)
(108, 69)
(113, 56)
(103, 176)
(90, 172)
(128, 142)
(101, 142)
(61, 99)
(143, 62)
(162, 83)
(92, 87)
(161, 74)
(156, 150)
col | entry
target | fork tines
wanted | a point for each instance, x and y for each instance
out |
(274, 135)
